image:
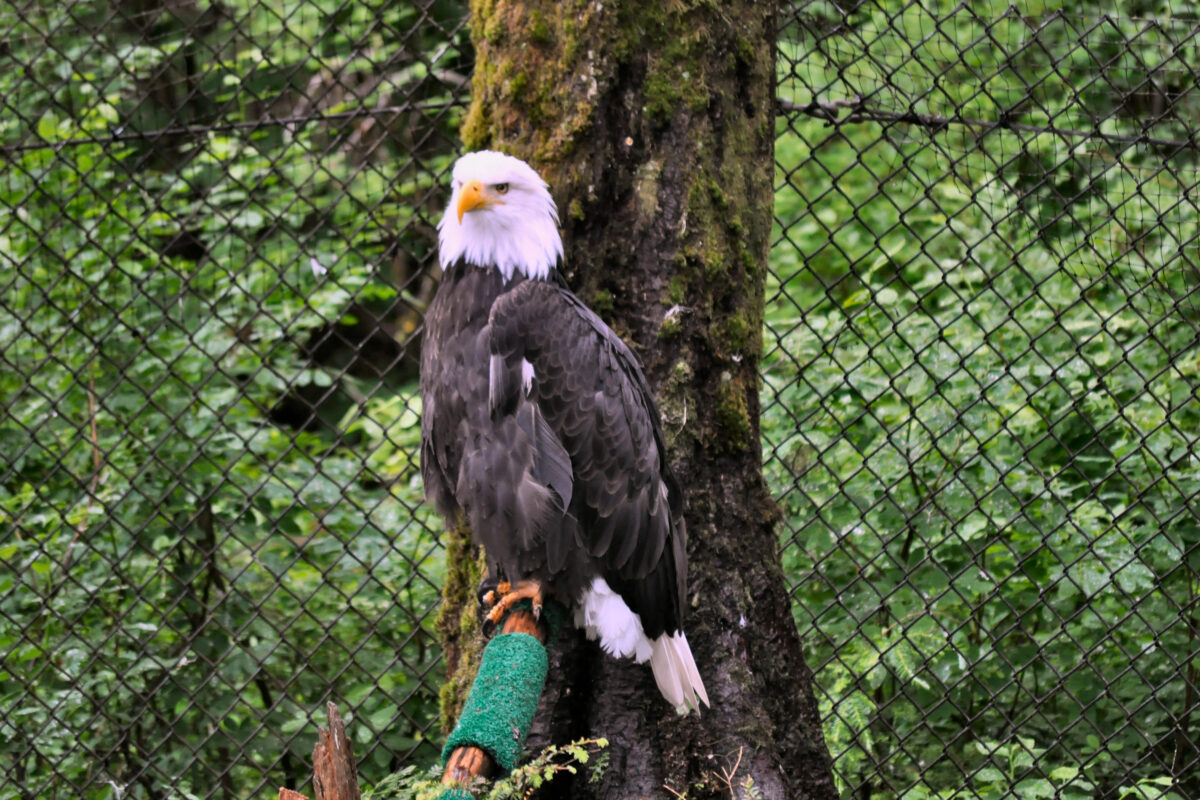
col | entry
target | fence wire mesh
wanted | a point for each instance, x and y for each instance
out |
(218, 220)
(217, 235)
(979, 392)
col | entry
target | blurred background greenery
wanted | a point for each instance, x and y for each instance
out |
(216, 242)
(979, 410)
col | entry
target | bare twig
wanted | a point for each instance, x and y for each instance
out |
(727, 775)
(122, 135)
(859, 112)
(1183, 742)
(97, 466)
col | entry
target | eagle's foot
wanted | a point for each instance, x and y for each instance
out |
(507, 596)
(490, 592)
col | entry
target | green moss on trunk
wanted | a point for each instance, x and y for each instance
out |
(457, 624)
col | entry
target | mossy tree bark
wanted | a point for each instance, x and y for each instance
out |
(654, 124)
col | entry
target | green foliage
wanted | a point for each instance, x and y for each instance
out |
(183, 581)
(983, 447)
(1013, 770)
(980, 440)
(410, 784)
(550, 763)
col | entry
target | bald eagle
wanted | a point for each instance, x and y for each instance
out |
(539, 429)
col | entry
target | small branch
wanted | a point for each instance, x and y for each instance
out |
(825, 109)
(859, 112)
(121, 135)
(97, 462)
(455, 79)
(97, 466)
(829, 110)
(1183, 742)
(727, 775)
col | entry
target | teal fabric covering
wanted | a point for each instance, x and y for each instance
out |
(503, 699)
(553, 614)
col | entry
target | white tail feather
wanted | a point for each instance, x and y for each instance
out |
(676, 674)
(605, 616)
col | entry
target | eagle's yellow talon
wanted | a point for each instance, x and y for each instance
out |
(496, 613)
(489, 598)
(509, 596)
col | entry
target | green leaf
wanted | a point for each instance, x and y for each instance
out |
(1064, 773)
(886, 297)
(47, 127)
(1035, 787)
(989, 775)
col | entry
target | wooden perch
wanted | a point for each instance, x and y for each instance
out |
(335, 774)
(467, 763)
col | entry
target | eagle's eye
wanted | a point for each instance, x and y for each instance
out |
(501, 188)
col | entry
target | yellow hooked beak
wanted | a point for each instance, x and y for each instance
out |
(473, 196)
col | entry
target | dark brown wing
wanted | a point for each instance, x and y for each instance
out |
(589, 394)
(453, 377)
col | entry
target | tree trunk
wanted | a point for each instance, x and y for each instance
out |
(653, 122)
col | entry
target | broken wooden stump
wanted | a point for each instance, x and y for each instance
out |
(335, 773)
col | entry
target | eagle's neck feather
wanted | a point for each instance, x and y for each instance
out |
(532, 248)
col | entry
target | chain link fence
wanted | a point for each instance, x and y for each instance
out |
(218, 223)
(979, 392)
(217, 226)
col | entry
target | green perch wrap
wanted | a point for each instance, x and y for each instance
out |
(503, 699)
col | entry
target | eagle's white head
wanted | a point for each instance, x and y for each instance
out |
(500, 214)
